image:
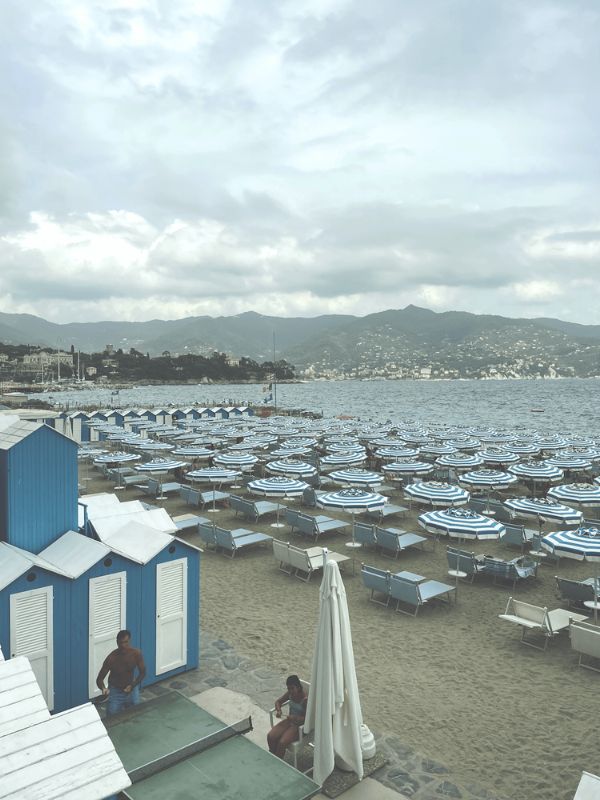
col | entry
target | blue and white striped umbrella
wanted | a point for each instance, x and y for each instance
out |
(277, 486)
(118, 457)
(589, 453)
(437, 449)
(569, 463)
(353, 501)
(581, 544)
(488, 478)
(465, 443)
(290, 452)
(544, 509)
(537, 471)
(498, 455)
(397, 452)
(437, 493)
(408, 467)
(154, 447)
(460, 460)
(579, 494)
(522, 448)
(354, 476)
(90, 452)
(193, 452)
(214, 475)
(550, 443)
(342, 459)
(299, 441)
(292, 467)
(160, 465)
(240, 460)
(345, 447)
(461, 523)
(497, 437)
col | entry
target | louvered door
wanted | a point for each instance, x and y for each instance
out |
(107, 617)
(31, 635)
(171, 615)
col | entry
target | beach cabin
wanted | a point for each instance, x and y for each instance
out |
(206, 413)
(38, 484)
(246, 411)
(34, 619)
(162, 416)
(220, 413)
(75, 427)
(115, 417)
(146, 415)
(103, 598)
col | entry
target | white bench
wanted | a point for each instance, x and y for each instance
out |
(538, 619)
(585, 640)
(302, 563)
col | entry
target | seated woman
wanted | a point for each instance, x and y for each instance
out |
(287, 731)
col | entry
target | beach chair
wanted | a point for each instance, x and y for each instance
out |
(395, 540)
(414, 591)
(542, 556)
(464, 561)
(316, 526)
(537, 619)
(251, 509)
(585, 640)
(588, 787)
(291, 518)
(517, 536)
(387, 511)
(231, 542)
(309, 497)
(365, 534)
(188, 522)
(574, 592)
(303, 738)
(306, 562)
(189, 495)
(378, 582)
(212, 497)
(516, 570)
(206, 531)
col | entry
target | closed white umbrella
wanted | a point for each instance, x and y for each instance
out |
(333, 708)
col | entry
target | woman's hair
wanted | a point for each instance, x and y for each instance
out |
(293, 680)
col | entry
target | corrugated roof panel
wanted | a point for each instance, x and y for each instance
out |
(74, 553)
(67, 756)
(33, 559)
(138, 542)
(21, 701)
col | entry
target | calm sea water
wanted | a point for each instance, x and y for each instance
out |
(567, 406)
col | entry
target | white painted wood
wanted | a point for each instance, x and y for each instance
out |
(31, 635)
(107, 615)
(21, 701)
(171, 615)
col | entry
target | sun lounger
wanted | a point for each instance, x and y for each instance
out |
(588, 788)
(585, 640)
(188, 522)
(230, 542)
(414, 591)
(517, 536)
(378, 582)
(387, 511)
(190, 496)
(464, 561)
(537, 619)
(575, 592)
(212, 497)
(302, 563)
(316, 526)
(365, 534)
(516, 570)
(396, 540)
(251, 509)
(309, 497)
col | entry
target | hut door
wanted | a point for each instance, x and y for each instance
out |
(171, 615)
(31, 635)
(107, 618)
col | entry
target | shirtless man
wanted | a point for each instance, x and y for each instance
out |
(123, 685)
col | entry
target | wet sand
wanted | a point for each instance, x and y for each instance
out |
(454, 682)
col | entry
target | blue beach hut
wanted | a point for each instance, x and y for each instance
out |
(34, 619)
(38, 484)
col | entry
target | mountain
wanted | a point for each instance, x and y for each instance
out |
(398, 342)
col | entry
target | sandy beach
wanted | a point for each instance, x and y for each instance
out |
(454, 683)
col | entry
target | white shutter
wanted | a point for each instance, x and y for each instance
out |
(171, 615)
(31, 634)
(107, 617)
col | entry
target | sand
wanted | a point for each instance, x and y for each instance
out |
(453, 683)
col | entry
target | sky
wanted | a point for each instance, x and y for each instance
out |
(160, 160)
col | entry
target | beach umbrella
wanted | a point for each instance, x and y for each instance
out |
(459, 461)
(536, 471)
(550, 443)
(545, 510)
(148, 446)
(352, 501)
(290, 452)
(409, 468)
(235, 460)
(159, 467)
(588, 452)
(355, 476)
(462, 523)
(216, 476)
(292, 468)
(488, 479)
(193, 451)
(333, 710)
(577, 494)
(464, 443)
(498, 455)
(343, 459)
(436, 493)
(581, 544)
(436, 449)
(118, 457)
(397, 452)
(277, 486)
(569, 463)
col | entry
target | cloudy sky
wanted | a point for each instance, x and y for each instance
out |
(167, 158)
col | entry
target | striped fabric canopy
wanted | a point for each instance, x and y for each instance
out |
(235, 459)
(151, 447)
(397, 452)
(277, 486)
(459, 460)
(213, 475)
(193, 452)
(537, 471)
(118, 457)
(352, 500)
(462, 523)
(572, 463)
(354, 476)
(581, 494)
(492, 478)
(292, 467)
(342, 459)
(498, 455)
(582, 544)
(160, 465)
(544, 509)
(437, 493)
(408, 467)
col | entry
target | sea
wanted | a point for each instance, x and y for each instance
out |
(564, 406)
